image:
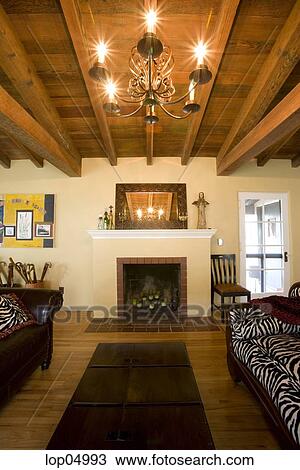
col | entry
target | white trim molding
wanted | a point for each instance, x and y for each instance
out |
(151, 234)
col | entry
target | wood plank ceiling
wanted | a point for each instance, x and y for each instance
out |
(47, 47)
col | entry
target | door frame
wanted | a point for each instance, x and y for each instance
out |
(284, 197)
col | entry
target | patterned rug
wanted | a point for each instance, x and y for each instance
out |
(175, 325)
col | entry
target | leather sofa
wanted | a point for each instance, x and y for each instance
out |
(264, 353)
(26, 349)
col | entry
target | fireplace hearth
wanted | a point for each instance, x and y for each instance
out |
(152, 286)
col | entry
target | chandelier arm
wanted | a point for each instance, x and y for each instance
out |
(166, 94)
(131, 114)
(177, 100)
(132, 101)
(174, 115)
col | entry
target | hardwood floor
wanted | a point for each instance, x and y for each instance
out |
(234, 416)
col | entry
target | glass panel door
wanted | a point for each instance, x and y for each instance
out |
(264, 243)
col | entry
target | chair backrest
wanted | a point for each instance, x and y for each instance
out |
(223, 269)
(295, 290)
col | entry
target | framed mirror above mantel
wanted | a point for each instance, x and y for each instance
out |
(151, 206)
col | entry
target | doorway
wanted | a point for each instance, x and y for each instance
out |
(264, 243)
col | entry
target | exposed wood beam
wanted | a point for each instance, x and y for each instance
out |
(268, 154)
(20, 125)
(296, 161)
(5, 161)
(278, 124)
(150, 143)
(149, 128)
(21, 71)
(224, 24)
(274, 72)
(72, 16)
(35, 159)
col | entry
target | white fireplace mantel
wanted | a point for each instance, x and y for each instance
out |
(151, 234)
(110, 245)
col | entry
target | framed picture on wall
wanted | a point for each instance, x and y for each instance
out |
(9, 231)
(44, 230)
(24, 225)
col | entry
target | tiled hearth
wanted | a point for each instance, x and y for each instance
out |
(161, 325)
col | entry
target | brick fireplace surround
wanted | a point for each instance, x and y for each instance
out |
(182, 262)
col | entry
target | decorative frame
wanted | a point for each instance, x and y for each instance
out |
(17, 209)
(24, 228)
(120, 203)
(46, 229)
(9, 231)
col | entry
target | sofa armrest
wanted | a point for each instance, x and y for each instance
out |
(42, 303)
(294, 290)
(249, 321)
(236, 314)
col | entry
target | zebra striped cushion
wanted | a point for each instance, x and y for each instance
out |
(282, 388)
(13, 315)
(285, 350)
(289, 328)
(250, 322)
(245, 350)
(278, 375)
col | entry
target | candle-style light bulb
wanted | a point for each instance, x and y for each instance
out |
(139, 213)
(111, 90)
(192, 90)
(200, 52)
(151, 21)
(101, 52)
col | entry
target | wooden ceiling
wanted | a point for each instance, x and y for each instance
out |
(50, 108)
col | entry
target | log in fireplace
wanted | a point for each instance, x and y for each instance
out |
(152, 285)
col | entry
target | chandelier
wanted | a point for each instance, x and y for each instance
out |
(151, 64)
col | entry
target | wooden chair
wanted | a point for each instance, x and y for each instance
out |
(223, 281)
(295, 290)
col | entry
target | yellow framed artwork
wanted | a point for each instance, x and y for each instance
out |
(27, 220)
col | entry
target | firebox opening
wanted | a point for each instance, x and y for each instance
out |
(152, 287)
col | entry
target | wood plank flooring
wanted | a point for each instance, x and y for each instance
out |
(29, 419)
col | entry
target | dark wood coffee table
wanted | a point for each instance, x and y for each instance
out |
(135, 396)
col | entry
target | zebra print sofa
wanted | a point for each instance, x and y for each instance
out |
(264, 353)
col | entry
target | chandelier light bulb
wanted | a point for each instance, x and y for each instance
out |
(200, 52)
(111, 90)
(192, 91)
(139, 213)
(150, 210)
(151, 21)
(101, 52)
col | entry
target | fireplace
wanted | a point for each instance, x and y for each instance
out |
(152, 285)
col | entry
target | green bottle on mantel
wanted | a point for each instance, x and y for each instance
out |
(106, 221)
